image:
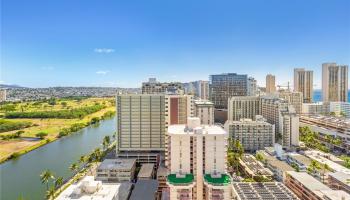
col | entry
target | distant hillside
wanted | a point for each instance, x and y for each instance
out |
(10, 86)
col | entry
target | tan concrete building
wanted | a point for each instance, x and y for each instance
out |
(197, 157)
(204, 109)
(253, 135)
(116, 170)
(141, 122)
(293, 98)
(270, 83)
(289, 128)
(303, 82)
(335, 82)
(243, 107)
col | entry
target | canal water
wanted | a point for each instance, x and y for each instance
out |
(21, 177)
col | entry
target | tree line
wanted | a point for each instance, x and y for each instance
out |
(61, 114)
(6, 125)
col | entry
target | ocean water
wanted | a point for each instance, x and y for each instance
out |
(318, 95)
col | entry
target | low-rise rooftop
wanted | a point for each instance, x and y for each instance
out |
(117, 164)
(89, 189)
(309, 182)
(204, 129)
(146, 170)
(262, 191)
(145, 190)
(342, 177)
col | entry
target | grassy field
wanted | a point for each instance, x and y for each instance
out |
(50, 126)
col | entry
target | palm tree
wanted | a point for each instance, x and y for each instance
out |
(235, 152)
(82, 159)
(325, 168)
(313, 167)
(97, 154)
(74, 167)
(50, 193)
(45, 177)
(58, 182)
(106, 142)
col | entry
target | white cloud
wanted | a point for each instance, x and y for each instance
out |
(102, 72)
(48, 68)
(104, 50)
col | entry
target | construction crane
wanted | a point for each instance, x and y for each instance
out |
(284, 86)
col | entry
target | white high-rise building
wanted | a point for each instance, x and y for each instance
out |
(252, 87)
(289, 127)
(303, 82)
(202, 89)
(335, 82)
(253, 135)
(197, 162)
(198, 88)
(282, 114)
(204, 109)
(270, 83)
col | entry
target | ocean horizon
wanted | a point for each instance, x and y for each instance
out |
(318, 95)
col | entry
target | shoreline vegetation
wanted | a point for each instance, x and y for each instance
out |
(85, 165)
(46, 121)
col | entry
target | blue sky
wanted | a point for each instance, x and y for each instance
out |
(122, 43)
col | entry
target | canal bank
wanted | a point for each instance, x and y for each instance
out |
(20, 177)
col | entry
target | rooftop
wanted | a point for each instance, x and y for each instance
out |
(309, 182)
(300, 158)
(117, 164)
(333, 194)
(89, 189)
(203, 102)
(342, 177)
(221, 179)
(145, 190)
(262, 191)
(205, 129)
(319, 158)
(162, 171)
(146, 170)
(281, 165)
(253, 166)
(175, 179)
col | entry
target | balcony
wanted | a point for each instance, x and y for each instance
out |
(180, 179)
(217, 179)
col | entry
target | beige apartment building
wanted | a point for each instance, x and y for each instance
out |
(335, 82)
(303, 82)
(116, 170)
(243, 107)
(141, 122)
(2, 94)
(253, 135)
(270, 83)
(289, 127)
(204, 109)
(282, 114)
(197, 157)
(293, 98)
